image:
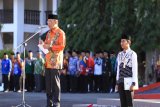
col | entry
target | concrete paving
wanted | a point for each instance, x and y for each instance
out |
(11, 99)
(39, 99)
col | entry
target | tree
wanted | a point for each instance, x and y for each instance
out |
(147, 36)
(84, 24)
(103, 21)
(98, 25)
(148, 24)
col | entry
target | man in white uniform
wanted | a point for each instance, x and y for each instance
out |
(127, 68)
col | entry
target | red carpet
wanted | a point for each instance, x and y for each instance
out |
(91, 105)
(151, 91)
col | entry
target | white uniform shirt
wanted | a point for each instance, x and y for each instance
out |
(129, 58)
(98, 66)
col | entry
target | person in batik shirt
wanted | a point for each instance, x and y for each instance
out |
(38, 72)
(55, 43)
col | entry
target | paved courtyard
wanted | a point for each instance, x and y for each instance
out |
(67, 99)
(39, 99)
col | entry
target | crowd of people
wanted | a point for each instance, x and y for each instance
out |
(13, 68)
(82, 72)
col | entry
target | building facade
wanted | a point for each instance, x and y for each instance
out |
(21, 19)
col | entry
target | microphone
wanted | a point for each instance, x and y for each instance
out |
(43, 26)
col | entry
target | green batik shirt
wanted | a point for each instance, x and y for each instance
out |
(39, 66)
(29, 66)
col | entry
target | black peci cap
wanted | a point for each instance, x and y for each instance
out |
(17, 53)
(29, 51)
(112, 52)
(39, 52)
(53, 16)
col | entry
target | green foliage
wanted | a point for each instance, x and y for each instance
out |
(5, 51)
(148, 24)
(98, 24)
(9, 53)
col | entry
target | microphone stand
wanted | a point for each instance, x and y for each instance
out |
(24, 44)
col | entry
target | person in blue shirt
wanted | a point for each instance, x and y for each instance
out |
(82, 65)
(18, 64)
(6, 69)
(72, 68)
(98, 72)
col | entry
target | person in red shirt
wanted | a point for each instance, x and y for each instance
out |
(82, 73)
(90, 70)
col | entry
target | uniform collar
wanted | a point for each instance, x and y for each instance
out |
(53, 29)
(127, 50)
(6, 58)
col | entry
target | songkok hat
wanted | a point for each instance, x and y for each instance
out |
(39, 52)
(17, 53)
(52, 16)
(30, 51)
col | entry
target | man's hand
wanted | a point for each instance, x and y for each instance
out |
(64, 72)
(41, 42)
(46, 46)
(132, 88)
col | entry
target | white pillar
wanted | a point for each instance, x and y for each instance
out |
(1, 42)
(54, 6)
(18, 10)
(42, 8)
(1, 4)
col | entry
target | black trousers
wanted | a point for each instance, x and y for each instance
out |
(90, 81)
(53, 88)
(16, 82)
(126, 96)
(5, 81)
(38, 82)
(11, 83)
(73, 83)
(63, 79)
(43, 82)
(98, 83)
(30, 83)
(105, 82)
(83, 88)
(68, 83)
(113, 82)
